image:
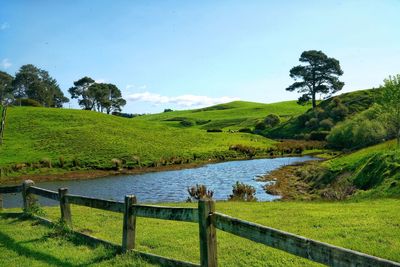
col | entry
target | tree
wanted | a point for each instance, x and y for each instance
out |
(319, 75)
(105, 97)
(80, 92)
(5, 87)
(390, 102)
(34, 83)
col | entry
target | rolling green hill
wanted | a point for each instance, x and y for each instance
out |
(42, 137)
(233, 115)
(325, 116)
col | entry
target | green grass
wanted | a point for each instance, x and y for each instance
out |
(33, 134)
(233, 115)
(347, 224)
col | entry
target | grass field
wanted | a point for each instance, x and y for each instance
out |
(233, 115)
(347, 224)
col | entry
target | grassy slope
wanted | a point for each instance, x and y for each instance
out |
(36, 133)
(374, 170)
(356, 101)
(233, 115)
(347, 224)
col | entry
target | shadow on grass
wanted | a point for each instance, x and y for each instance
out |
(18, 246)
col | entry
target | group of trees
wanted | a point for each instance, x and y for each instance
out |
(34, 86)
(32, 83)
(97, 96)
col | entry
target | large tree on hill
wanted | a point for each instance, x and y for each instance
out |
(320, 74)
(34, 83)
(105, 97)
(5, 87)
(80, 92)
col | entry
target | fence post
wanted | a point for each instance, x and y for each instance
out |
(65, 207)
(129, 225)
(28, 199)
(1, 201)
(207, 233)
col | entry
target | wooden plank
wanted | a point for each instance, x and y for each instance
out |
(166, 213)
(43, 193)
(163, 261)
(207, 234)
(298, 245)
(96, 203)
(65, 208)
(129, 225)
(11, 189)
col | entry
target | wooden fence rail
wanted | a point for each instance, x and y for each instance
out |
(207, 219)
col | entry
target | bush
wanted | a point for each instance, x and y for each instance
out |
(214, 130)
(339, 113)
(168, 110)
(318, 135)
(242, 192)
(312, 123)
(250, 152)
(199, 192)
(260, 126)
(326, 124)
(245, 130)
(186, 123)
(27, 102)
(363, 130)
(272, 120)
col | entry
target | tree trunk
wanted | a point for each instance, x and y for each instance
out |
(314, 103)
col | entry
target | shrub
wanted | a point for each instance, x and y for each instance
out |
(247, 150)
(326, 124)
(318, 135)
(242, 192)
(61, 161)
(199, 192)
(260, 126)
(312, 123)
(117, 164)
(168, 110)
(214, 130)
(245, 130)
(27, 102)
(272, 120)
(46, 162)
(339, 113)
(362, 130)
(186, 123)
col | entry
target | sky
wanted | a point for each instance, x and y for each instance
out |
(190, 54)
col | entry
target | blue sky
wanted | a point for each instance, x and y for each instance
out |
(186, 54)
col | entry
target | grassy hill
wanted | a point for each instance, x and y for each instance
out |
(233, 115)
(347, 224)
(325, 116)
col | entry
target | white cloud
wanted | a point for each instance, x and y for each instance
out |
(4, 26)
(134, 86)
(183, 100)
(100, 81)
(5, 63)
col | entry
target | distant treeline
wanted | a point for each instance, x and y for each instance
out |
(32, 86)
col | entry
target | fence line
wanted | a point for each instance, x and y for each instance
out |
(208, 220)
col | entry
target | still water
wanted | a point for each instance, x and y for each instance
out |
(170, 186)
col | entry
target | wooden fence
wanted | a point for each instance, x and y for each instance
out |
(208, 220)
(3, 122)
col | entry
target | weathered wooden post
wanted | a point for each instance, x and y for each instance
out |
(129, 225)
(208, 233)
(65, 207)
(1, 201)
(28, 199)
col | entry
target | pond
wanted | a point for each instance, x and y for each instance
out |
(170, 186)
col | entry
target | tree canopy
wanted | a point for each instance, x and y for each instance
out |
(5, 87)
(34, 83)
(102, 97)
(320, 74)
